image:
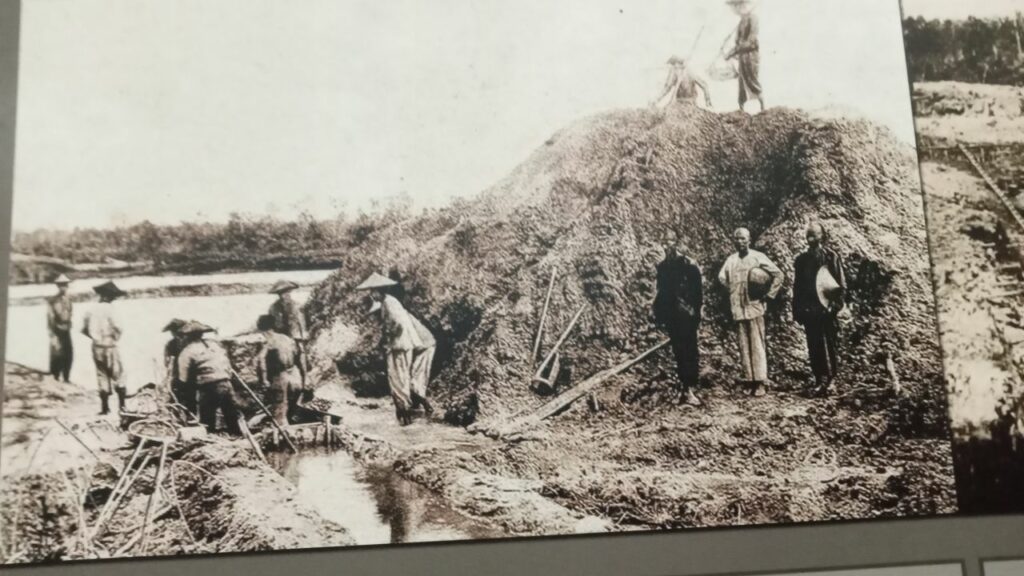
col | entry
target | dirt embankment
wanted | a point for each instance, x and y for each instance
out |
(950, 112)
(216, 497)
(596, 203)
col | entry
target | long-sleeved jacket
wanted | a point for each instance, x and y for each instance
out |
(102, 325)
(746, 36)
(805, 275)
(680, 292)
(401, 330)
(58, 313)
(734, 276)
(288, 318)
(202, 362)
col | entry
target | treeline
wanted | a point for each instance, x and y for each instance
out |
(987, 51)
(243, 242)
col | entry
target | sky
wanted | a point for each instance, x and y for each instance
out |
(179, 110)
(962, 9)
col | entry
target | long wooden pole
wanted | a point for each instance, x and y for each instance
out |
(266, 411)
(149, 504)
(566, 398)
(561, 339)
(543, 317)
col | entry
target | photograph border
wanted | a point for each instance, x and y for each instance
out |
(763, 549)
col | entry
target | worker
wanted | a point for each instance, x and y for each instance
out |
(204, 365)
(181, 393)
(288, 318)
(280, 371)
(751, 279)
(747, 53)
(102, 325)
(58, 320)
(677, 308)
(409, 347)
(819, 288)
(682, 84)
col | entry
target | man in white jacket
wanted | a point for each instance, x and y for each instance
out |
(748, 306)
(409, 348)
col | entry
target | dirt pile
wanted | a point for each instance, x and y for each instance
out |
(599, 200)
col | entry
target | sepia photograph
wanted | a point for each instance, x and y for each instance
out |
(966, 62)
(358, 273)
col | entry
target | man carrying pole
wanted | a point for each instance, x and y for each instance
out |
(103, 327)
(747, 53)
(409, 347)
(58, 320)
(751, 279)
(681, 85)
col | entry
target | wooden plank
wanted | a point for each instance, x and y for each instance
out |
(566, 398)
(992, 186)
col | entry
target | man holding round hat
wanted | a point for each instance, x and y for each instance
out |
(204, 365)
(747, 53)
(819, 287)
(287, 315)
(181, 392)
(410, 348)
(752, 279)
(103, 327)
(58, 321)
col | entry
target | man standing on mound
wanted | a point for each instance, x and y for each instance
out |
(751, 279)
(681, 86)
(102, 326)
(409, 348)
(747, 53)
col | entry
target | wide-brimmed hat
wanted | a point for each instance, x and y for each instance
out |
(174, 325)
(736, 2)
(108, 288)
(195, 327)
(375, 282)
(674, 59)
(283, 286)
(828, 289)
(62, 279)
(758, 283)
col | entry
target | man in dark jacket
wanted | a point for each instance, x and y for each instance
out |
(677, 309)
(819, 289)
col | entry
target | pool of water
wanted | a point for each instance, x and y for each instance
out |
(142, 342)
(376, 505)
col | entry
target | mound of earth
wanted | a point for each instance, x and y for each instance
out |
(597, 202)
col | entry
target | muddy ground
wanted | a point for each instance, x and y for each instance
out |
(216, 496)
(977, 254)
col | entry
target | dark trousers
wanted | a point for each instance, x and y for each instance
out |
(822, 333)
(186, 394)
(61, 355)
(687, 352)
(218, 395)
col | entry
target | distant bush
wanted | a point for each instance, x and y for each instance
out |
(987, 51)
(243, 242)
